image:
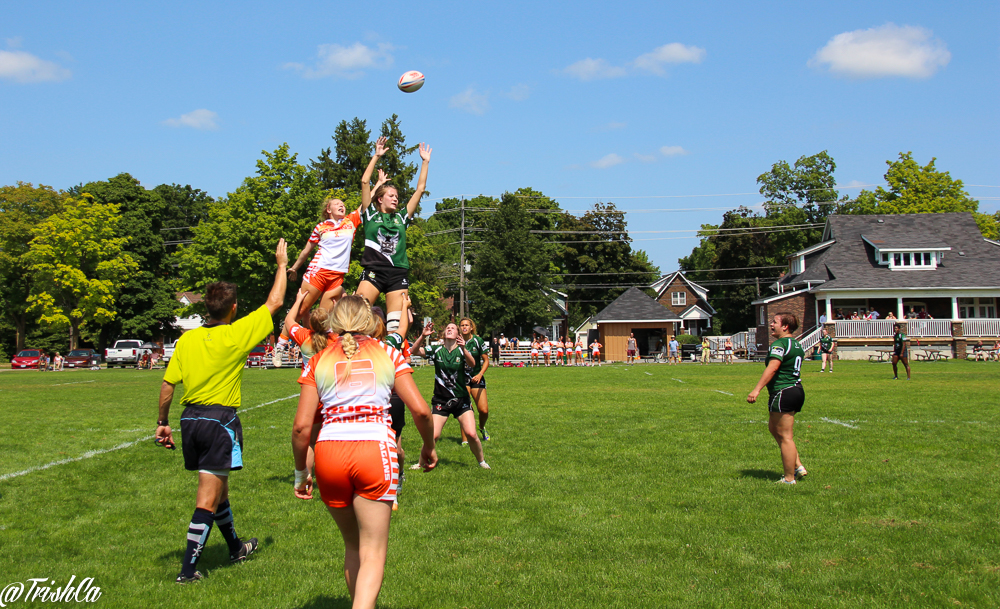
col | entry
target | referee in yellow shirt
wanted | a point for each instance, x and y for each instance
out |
(209, 361)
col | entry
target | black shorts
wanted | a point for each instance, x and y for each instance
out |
(211, 438)
(455, 407)
(789, 399)
(474, 385)
(901, 354)
(387, 278)
(397, 410)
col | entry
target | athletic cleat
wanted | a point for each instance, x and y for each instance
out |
(187, 580)
(783, 481)
(484, 465)
(276, 358)
(248, 548)
(465, 442)
(486, 435)
(395, 505)
(800, 473)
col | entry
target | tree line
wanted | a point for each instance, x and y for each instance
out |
(104, 260)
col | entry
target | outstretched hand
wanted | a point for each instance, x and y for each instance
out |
(380, 146)
(281, 253)
(425, 152)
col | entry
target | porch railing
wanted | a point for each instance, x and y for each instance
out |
(928, 327)
(978, 328)
(861, 328)
(808, 341)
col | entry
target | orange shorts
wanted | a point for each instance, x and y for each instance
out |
(323, 280)
(364, 468)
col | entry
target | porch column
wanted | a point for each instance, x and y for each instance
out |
(954, 307)
(829, 309)
(900, 314)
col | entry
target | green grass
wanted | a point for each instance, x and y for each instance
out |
(641, 486)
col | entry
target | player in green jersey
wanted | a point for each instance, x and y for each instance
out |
(386, 266)
(450, 395)
(900, 351)
(784, 388)
(475, 375)
(827, 345)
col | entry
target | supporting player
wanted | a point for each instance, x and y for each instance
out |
(827, 345)
(476, 375)
(397, 340)
(351, 380)
(784, 388)
(900, 351)
(386, 266)
(209, 361)
(450, 396)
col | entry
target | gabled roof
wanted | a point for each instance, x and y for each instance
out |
(695, 312)
(661, 284)
(850, 262)
(191, 297)
(634, 305)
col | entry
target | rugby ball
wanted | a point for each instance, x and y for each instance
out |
(411, 81)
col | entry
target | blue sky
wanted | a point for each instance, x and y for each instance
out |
(650, 105)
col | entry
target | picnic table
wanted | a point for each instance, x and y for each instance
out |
(931, 355)
(880, 355)
(988, 353)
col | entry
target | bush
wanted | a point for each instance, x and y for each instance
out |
(688, 339)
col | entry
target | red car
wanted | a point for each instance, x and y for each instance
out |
(82, 358)
(257, 357)
(27, 358)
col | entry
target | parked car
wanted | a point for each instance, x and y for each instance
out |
(26, 358)
(124, 353)
(168, 351)
(82, 358)
(257, 357)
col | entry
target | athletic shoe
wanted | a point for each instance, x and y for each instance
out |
(276, 358)
(395, 505)
(187, 580)
(484, 465)
(248, 548)
(895, 378)
(486, 435)
(465, 443)
(415, 466)
(783, 481)
(821, 370)
(800, 473)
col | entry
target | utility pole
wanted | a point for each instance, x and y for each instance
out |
(461, 266)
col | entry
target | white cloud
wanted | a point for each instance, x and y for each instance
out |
(672, 53)
(346, 61)
(21, 66)
(594, 69)
(198, 119)
(607, 161)
(889, 50)
(519, 92)
(672, 151)
(471, 101)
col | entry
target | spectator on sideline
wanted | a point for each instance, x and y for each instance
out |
(57, 361)
(706, 351)
(209, 361)
(673, 346)
(891, 315)
(630, 349)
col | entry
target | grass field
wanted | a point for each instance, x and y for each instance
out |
(643, 486)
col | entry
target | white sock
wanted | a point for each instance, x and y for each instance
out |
(392, 321)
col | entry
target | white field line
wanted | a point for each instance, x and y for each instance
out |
(678, 380)
(73, 383)
(720, 391)
(648, 373)
(95, 453)
(836, 422)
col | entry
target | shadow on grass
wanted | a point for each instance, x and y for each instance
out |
(761, 474)
(326, 601)
(215, 555)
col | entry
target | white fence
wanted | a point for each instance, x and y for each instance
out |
(808, 341)
(860, 328)
(928, 327)
(979, 328)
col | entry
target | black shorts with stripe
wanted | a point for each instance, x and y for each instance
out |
(397, 411)
(455, 407)
(211, 438)
(789, 399)
(387, 279)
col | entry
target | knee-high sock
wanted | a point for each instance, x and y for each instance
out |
(198, 530)
(224, 520)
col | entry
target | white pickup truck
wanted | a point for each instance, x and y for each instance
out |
(124, 353)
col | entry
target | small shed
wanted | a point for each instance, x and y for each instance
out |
(635, 313)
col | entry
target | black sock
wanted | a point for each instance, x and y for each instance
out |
(198, 530)
(224, 520)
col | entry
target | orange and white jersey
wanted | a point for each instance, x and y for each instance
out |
(354, 394)
(595, 347)
(301, 336)
(333, 240)
(579, 347)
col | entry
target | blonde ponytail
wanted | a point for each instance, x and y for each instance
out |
(319, 323)
(352, 315)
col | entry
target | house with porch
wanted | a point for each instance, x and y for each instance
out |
(934, 271)
(688, 300)
(192, 321)
(634, 313)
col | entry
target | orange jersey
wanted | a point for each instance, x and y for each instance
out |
(355, 400)
(333, 240)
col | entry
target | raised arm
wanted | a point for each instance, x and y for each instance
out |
(425, 160)
(366, 179)
(404, 318)
(303, 256)
(418, 345)
(292, 318)
(277, 296)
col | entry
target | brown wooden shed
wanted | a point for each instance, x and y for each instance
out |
(634, 313)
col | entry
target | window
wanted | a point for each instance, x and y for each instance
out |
(898, 261)
(763, 315)
(678, 299)
(971, 308)
(885, 258)
(927, 258)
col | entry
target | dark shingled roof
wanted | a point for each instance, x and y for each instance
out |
(634, 305)
(850, 262)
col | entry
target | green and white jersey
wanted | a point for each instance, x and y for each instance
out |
(385, 238)
(477, 347)
(826, 343)
(899, 341)
(790, 353)
(449, 372)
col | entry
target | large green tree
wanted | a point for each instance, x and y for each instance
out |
(509, 271)
(22, 208)
(236, 241)
(809, 184)
(915, 189)
(147, 301)
(80, 265)
(184, 208)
